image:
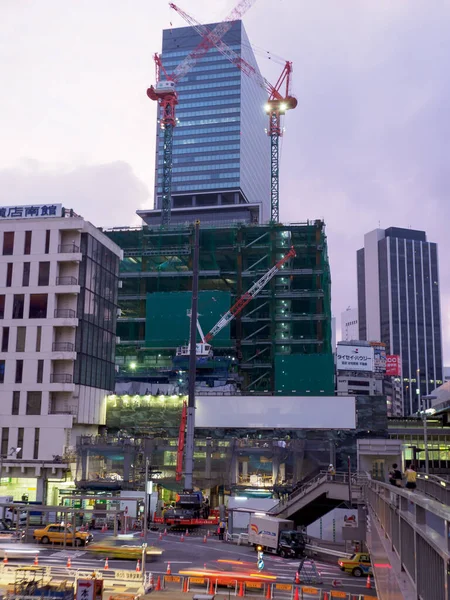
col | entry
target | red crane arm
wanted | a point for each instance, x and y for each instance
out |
(248, 296)
(180, 449)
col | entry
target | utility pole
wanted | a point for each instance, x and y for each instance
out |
(144, 524)
(189, 462)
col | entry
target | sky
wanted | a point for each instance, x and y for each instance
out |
(367, 146)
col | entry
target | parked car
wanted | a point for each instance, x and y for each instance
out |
(54, 534)
(358, 564)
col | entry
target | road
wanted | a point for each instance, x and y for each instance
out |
(193, 553)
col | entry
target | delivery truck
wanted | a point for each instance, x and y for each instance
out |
(276, 535)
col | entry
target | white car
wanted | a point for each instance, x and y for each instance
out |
(14, 551)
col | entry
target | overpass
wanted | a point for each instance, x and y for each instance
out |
(320, 495)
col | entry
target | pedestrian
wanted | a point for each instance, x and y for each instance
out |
(331, 472)
(395, 476)
(411, 477)
(221, 529)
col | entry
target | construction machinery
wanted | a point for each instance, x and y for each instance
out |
(165, 93)
(277, 104)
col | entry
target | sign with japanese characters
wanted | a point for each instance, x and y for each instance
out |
(379, 357)
(354, 358)
(30, 211)
(393, 365)
(85, 589)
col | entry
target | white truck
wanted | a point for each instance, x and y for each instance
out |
(276, 535)
(8, 512)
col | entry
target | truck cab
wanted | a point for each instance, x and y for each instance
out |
(291, 544)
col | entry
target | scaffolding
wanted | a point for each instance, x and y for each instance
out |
(290, 317)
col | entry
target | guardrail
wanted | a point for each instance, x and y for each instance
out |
(435, 487)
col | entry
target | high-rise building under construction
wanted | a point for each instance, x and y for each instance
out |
(221, 152)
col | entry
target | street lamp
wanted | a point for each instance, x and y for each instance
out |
(425, 430)
(12, 451)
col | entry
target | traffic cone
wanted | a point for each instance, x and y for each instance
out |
(211, 587)
(208, 533)
(138, 566)
(106, 567)
(185, 585)
(158, 584)
(297, 578)
(204, 539)
(5, 558)
(151, 581)
(69, 562)
(325, 596)
(142, 533)
(182, 538)
(168, 570)
(36, 560)
(269, 592)
(160, 536)
(368, 583)
(165, 531)
(241, 590)
(187, 533)
(296, 596)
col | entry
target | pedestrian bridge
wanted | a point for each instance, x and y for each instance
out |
(320, 495)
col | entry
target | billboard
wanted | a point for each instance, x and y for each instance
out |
(272, 412)
(379, 358)
(354, 358)
(393, 365)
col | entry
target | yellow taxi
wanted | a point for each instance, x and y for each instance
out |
(55, 534)
(358, 564)
(112, 548)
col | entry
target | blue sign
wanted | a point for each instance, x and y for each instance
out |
(260, 564)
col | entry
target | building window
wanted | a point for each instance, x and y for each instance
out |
(8, 243)
(27, 245)
(15, 403)
(40, 371)
(5, 339)
(21, 339)
(38, 306)
(18, 304)
(5, 441)
(47, 241)
(19, 371)
(36, 444)
(20, 442)
(44, 273)
(34, 401)
(2, 371)
(26, 274)
(38, 338)
(2, 306)
(9, 274)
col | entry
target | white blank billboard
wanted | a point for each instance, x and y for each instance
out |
(273, 412)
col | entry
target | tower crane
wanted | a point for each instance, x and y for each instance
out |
(165, 93)
(204, 348)
(277, 104)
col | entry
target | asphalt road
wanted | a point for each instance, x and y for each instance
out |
(193, 553)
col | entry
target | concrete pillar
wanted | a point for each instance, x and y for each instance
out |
(84, 465)
(283, 472)
(127, 460)
(244, 469)
(208, 468)
(234, 474)
(275, 469)
(41, 489)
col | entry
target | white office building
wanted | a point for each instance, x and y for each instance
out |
(349, 325)
(58, 311)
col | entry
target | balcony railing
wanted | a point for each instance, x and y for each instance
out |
(67, 280)
(68, 248)
(65, 313)
(61, 378)
(63, 347)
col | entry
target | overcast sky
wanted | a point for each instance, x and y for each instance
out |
(367, 146)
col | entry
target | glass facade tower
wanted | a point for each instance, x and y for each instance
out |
(221, 152)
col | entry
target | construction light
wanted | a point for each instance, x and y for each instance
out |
(283, 106)
(132, 366)
(267, 108)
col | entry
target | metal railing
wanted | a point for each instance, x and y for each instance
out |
(66, 280)
(68, 248)
(435, 487)
(415, 530)
(61, 378)
(64, 313)
(63, 347)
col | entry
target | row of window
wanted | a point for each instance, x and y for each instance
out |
(203, 150)
(205, 177)
(21, 336)
(206, 113)
(202, 131)
(37, 308)
(8, 243)
(200, 68)
(5, 442)
(184, 53)
(43, 273)
(230, 82)
(207, 157)
(169, 64)
(234, 100)
(204, 140)
(205, 186)
(19, 372)
(216, 167)
(196, 122)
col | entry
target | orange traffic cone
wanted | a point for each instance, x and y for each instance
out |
(36, 560)
(142, 533)
(269, 592)
(106, 567)
(204, 539)
(165, 531)
(160, 536)
(5, 558)
(368, 583)
(151, 581)
(69, 562)
(158, 584)
(138, 566)
(208, 533)
(182, 538)
(168, 570)
(241, 590)
(296, 596)
(297, 578)
(211, 587)
(186, 585)
(325, 596)
(187, 533)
